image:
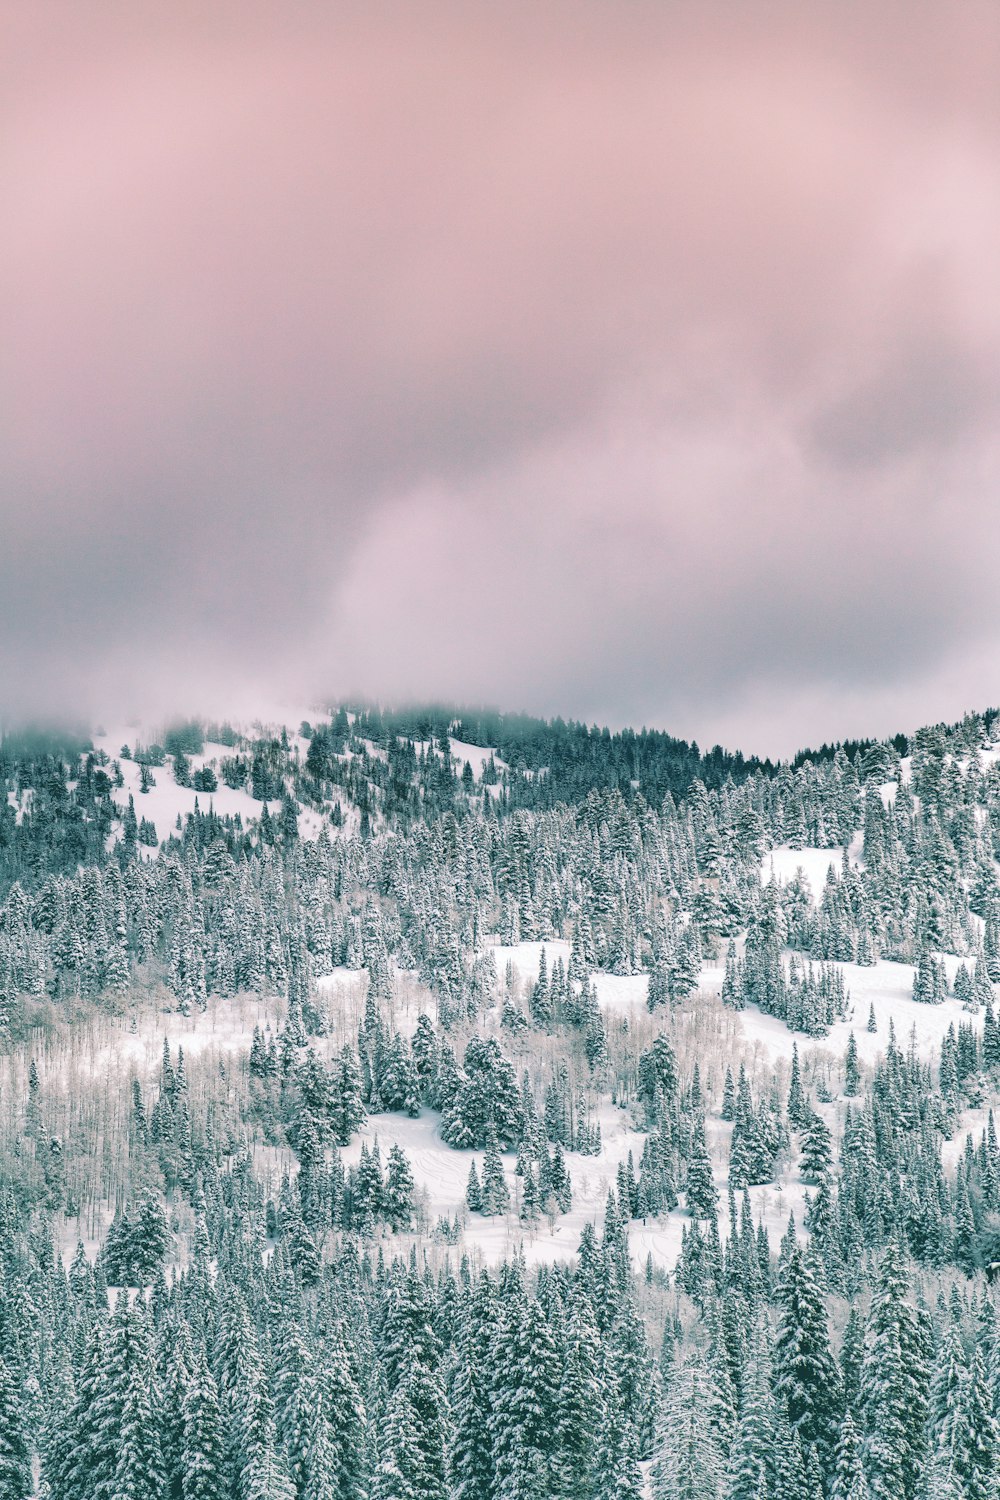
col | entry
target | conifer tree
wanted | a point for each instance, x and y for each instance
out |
(495, 1195)
(203, 1471)
(702, 1195)
(400, 1475)
(806, 1379)
(15, 1457)
(689, 1463)
(852, 1074)
(470, 1459)
(346, 1418)
(817, 1149)
(525, 1403)
(473, 1192)
(129, 1409)
(580, 1401)
(398, 1204)
(753, 1448)
(893, 1394)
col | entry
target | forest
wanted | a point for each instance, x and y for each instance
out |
(444, 1105)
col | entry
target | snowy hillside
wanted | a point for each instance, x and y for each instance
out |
(329, 1038)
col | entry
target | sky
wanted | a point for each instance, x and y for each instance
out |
(636, 362)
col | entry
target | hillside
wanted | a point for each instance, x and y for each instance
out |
(438, 1104)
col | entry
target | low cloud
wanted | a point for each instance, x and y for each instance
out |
(635, 364)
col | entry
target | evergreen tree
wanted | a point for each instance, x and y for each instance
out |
(15, 1457)
(524, 1410)
(690, 1463)
(852, 1074)
(129, 1408)
(702, 1194)
(893, 1395)
(203, 1474)
(806, 1379)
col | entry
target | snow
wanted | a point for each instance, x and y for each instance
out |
(443, 1172)
(476, 755)
(116, 1050)
(164, 802)
(135, 1045)
(620, 991)
(344, 991)
(21, 803)
(614, 991)
(783, 862)
(525, 957)
(888, 988)
(119, 1049)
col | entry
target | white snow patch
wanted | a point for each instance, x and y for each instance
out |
(887, 987)
(166, 801)
(525, 957)
(784, 862)
(443, 1173)
(476, 755)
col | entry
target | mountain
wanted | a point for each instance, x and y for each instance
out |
(438, 1103)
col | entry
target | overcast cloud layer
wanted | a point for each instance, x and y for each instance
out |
(635, 362)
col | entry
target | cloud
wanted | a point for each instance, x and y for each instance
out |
(633, 363)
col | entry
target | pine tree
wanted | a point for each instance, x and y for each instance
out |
(400, 1475)
(979, 1440)
(203, 1473)
(893, 1395)
(852, 1074)
(173, 1392)
(702, 1195)
(817, 1149)
(524, 1411)
(690, 1463)
(848, 1478)
(129, 1408)
(473, 1192)
(296, 1394)
(346, 1418)
(728, 1111)
(581, 1401)
(470, 1459)
(15, 1456)
(262, 1473)
(753, 1448)
(85, 1466)
(398, 1204)
(806, 1379)
(495, 1194)
(796, 1098)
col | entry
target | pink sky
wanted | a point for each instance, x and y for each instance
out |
(639, 362)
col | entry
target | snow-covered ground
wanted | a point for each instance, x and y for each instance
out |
(477, 756)
(442, 1173)
(888, 988)
(885, 986)
(783, 863)
(119, 1049)
(165, 802)
(526, 957)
